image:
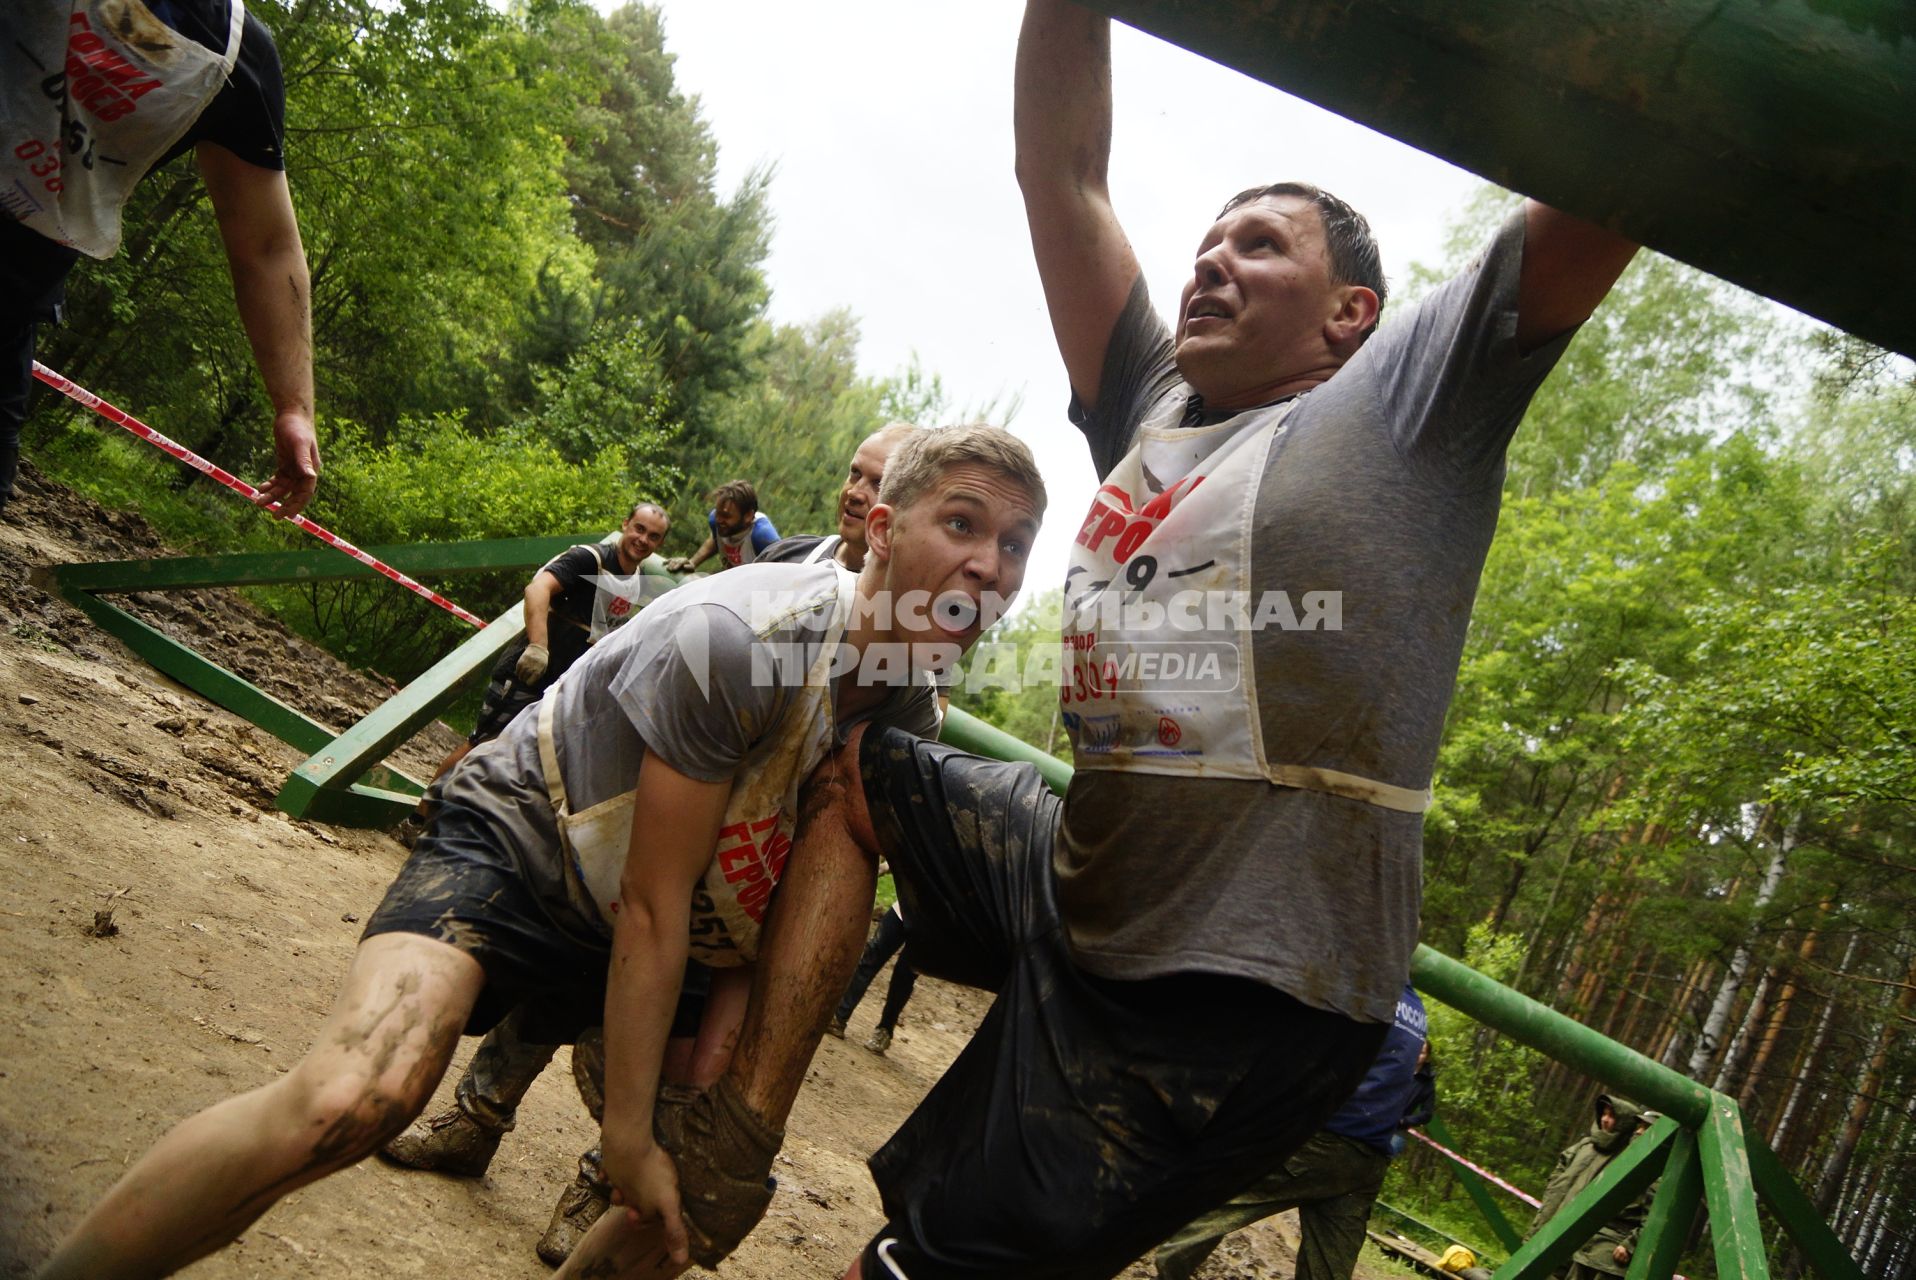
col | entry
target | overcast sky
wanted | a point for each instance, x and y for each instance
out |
(889, 123)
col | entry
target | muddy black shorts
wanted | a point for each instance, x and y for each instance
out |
(463, 887)
(1089, 1118)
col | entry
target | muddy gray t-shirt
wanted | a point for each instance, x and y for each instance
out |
(1382, 486)
(700, 678)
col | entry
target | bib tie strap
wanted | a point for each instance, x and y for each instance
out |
(1351, 787)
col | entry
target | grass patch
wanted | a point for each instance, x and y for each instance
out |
(36, 638)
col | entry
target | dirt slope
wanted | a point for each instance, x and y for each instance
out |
(168, 939)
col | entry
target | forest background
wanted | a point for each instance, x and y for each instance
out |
(1677, 793)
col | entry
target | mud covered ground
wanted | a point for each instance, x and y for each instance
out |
(167, 939)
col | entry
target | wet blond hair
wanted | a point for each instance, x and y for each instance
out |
(924, 456)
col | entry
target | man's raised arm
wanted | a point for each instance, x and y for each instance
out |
(1062, 121)
(1569, 265)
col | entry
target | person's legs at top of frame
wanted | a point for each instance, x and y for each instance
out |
(1330, 1180)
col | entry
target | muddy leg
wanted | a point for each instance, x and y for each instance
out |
(619, 1244)
(372, 1068)
(813, 937)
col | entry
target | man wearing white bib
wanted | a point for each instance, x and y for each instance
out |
(863, 475)
(94, 94)
(644, 814)
(1198, 951)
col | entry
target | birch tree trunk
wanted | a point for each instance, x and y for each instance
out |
(1711, 1035)
(1753, 1017)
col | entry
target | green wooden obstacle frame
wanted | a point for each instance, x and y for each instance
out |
(1699, 1150)
(1476, 1188)
(346, 780)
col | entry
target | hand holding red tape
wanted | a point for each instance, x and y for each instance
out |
(121, 418)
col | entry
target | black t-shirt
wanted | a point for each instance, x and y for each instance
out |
(569, 621)
(248, 117)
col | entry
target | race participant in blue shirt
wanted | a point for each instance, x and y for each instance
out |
(740, 531)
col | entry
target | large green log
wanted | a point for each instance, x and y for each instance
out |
(1771, 142)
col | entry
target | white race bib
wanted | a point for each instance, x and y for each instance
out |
(92, 93)
(729, 901)
(1159, 617)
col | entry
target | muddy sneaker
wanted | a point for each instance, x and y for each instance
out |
(836, 1027)
(580, 1205)
(880, 1041)
(450, 1142)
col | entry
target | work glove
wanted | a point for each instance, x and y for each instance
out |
(723, 1152)
(679, 564)
(531, 664)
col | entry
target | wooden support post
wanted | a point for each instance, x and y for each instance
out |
(1730, 1191)
(1667, 1228)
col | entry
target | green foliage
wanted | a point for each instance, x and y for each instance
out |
(918, 394)
(679, 264)
(791, 432)
(1691, 647)
(444, 485)
(515, 236)
(1802, 702)
(793, 428)
(609, 395)
(1577, 583)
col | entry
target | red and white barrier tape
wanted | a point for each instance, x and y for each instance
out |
(121, 418)
(1479, 1170)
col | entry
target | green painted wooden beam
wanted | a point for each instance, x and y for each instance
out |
(317, 564)
(1729, 1190)
(343, 780)
(1622, 1181)
(313, 790)
(208, 679)
(1476, 1188)
(1667, 1227)
(968, 733)
(1565, 1039)
(1772, 142)
(1798, 1216)
(324, 786)
(357, 805)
